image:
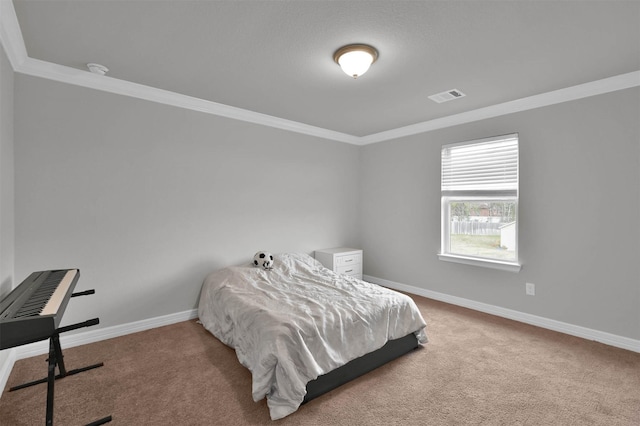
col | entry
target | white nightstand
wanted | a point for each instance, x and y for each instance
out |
(342, 260)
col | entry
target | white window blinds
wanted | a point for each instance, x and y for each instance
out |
(482, 167)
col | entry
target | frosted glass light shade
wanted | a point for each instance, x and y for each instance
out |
(355, 59)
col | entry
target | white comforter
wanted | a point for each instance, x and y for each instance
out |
(300, 320)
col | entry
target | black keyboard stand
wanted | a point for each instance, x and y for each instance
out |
(56, 359)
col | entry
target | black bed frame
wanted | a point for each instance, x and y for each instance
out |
(359, 366)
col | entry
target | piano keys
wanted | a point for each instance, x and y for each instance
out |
(33, 310)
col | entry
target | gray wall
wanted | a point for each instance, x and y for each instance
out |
(579, 226)
(6, 175)
(146, 199)
(6, 187)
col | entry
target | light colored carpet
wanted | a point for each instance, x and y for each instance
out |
(477, 369)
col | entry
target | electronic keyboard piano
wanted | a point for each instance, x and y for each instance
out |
(33, 310)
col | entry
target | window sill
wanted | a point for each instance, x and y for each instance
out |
(485, 263)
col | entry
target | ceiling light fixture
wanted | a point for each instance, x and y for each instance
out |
(355, 59)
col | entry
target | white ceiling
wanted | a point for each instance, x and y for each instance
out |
(275, 57)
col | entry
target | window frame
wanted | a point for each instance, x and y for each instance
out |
(486, 195)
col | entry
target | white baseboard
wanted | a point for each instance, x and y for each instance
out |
(86, 337)
(7, 359)
(562, 327)
(10, 356)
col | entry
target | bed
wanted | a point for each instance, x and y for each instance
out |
(302, 329)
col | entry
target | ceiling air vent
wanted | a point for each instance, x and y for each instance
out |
(449, 95)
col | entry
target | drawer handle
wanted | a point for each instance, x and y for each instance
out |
(348, 260)
(350, 270)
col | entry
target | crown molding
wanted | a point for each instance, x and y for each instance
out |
(13, 43)
(64, 74)
(593, 88)
(11, 35)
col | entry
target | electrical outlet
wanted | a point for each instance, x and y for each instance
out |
(530, 288)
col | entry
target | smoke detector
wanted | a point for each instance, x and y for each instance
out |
(97, 69)
(449, 95)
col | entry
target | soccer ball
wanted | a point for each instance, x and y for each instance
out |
(263, 259)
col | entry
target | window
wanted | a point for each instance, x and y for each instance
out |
(479, 191)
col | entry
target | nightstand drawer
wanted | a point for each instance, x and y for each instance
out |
(342, 260)
(353, 270)
(350, 259)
